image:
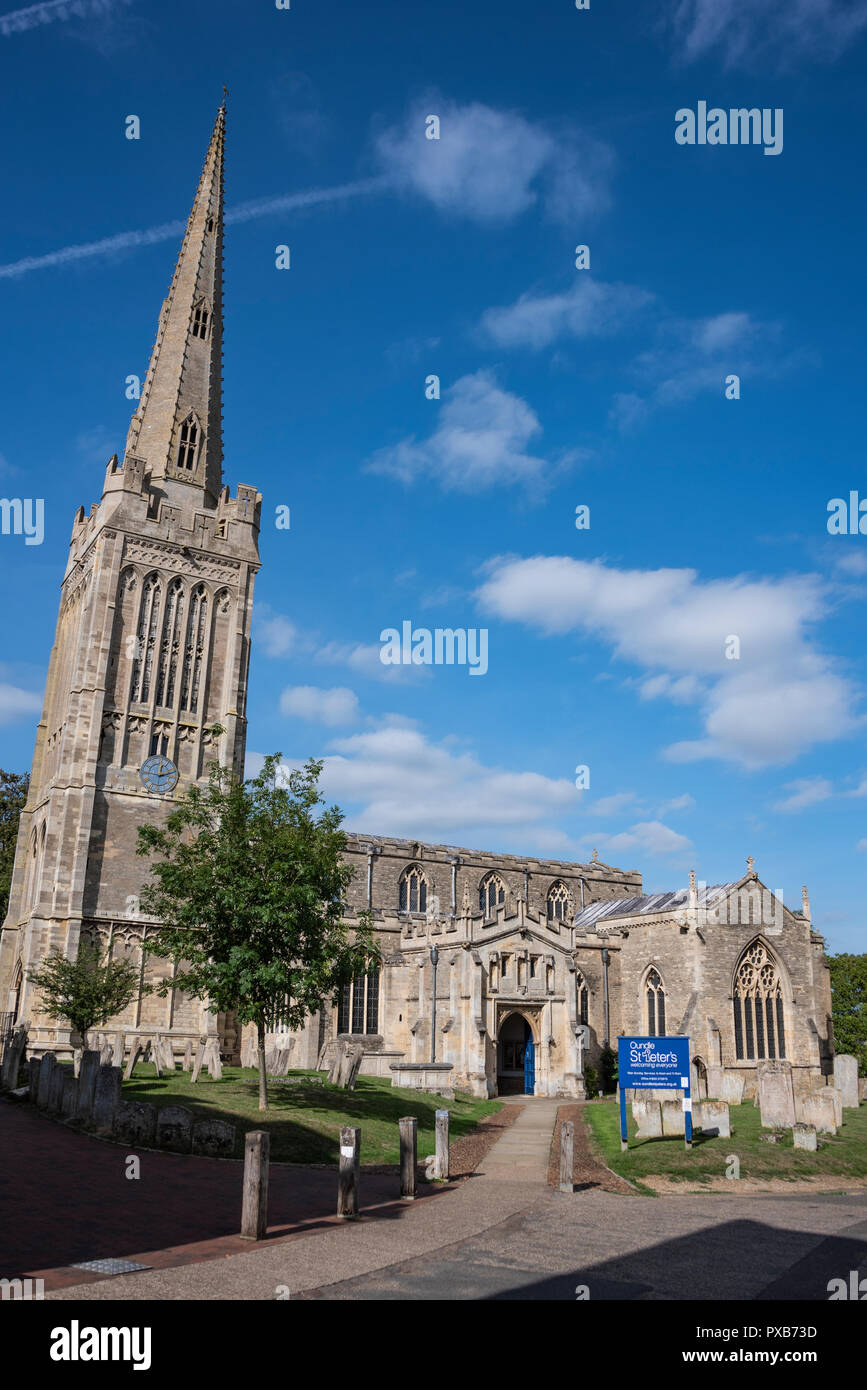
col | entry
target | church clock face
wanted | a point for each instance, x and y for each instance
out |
(159, 774)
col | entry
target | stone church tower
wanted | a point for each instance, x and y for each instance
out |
(152, 650)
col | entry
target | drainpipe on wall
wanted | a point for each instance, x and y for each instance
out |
(605, 959)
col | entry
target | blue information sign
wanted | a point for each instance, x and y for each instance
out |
(653, 1064)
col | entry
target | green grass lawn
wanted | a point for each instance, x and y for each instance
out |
(305, 1113)
(843, 1154)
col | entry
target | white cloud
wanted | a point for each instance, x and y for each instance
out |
(481, 440)
(854, 564)
(401, 783)
(366, 659)
(612, 805)
(36, 16)
(276, 634)
(491, 166)
(16, 703)
(677, 803)
(647, 837)
(781, 697)
(805, 791)
(335, 706)
(589, 309)
(767, 33)
(862, 845)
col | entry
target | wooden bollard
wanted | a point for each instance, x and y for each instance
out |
(441, 1168)
(348, 1173)
(567, 1149)
(254, 1205)
(408, 1157)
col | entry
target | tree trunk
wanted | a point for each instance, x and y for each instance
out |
(263, 1080)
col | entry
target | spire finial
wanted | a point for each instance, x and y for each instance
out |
(751, 866)
(225, 96)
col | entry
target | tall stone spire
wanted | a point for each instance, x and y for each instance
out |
(177, 428)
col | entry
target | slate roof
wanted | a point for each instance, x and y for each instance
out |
(655, 902)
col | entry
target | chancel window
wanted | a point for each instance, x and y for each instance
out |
(358, 1005)
(413, 891)
(188, 448)
(200, 320)
(581, 997)
(758, 1007)
(491, 892)
(655, 1005)
(558, 903)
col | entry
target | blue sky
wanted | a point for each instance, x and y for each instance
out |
(559, 387)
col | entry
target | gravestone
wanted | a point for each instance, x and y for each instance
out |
(862, 1087)
(713, 1118)
(175, 1128)
(117, 1050)
(87, 1084)
(14, 1056)
(35, 1065)
(135, 1122)
(804, 1137)
(188, 1055)
(212, 1059)
(731, 1088)
(672, 1117)
(69, 1099)
(350, 1065)
(837, 1099)
(106, 1097)
(846, 1080)
(776, 1095)
(337, 1061)
(136, 1055)
(648, 1116)
(46, 1073)
(168, 1054)
(106, 1054)
(200, 1057)
(214, 1138)
(55, 1090)
(817, 1108)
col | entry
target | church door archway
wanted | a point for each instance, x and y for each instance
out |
(516, 1057)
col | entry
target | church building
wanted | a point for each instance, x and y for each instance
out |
(538, 964)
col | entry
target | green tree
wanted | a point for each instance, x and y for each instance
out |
(849, 1006)
(13, 794)
(249, 888)
(87, 992)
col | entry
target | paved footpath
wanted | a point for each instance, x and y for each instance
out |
(503, 1235)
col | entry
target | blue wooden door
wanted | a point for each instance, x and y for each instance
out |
(529, 1067)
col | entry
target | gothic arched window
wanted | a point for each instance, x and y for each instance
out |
(581, 998)
(655, 994)
(413, 890)
(194, 648)
(559, 905)
(146, 639)
(171, 644)
(492, 891)
(758, 1006)
(188, 448)
(201, 318)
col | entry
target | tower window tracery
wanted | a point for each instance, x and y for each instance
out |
(146, 639)
(201, 318)
(188, 448)
(194, 649)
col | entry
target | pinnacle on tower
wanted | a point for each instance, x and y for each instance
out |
(177, 429)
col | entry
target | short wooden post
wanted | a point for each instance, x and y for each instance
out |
(348, 1173)
(254, 1206)
(408, 1157)
(567, 1150)
(442, 1145)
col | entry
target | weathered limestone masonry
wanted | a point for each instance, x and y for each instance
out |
(573, 954)
(151, 651)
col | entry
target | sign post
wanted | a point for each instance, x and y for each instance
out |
(654, 1064)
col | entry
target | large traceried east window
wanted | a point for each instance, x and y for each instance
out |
(358, 1005)
(194, 649)
(413, 891)
(655, 998)
(147, 637)
(758, 1007)
(559, 905)
(492, 892)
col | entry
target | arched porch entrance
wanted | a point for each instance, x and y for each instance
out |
(516, 1056)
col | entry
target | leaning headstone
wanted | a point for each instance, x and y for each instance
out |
(46, 1073)
(175, 1128)
(69, 1099)
(214, 1138)
(804, 1137)
(846, 1080)
(350, 1066)
(106, 1097)
(55, 1091)
(714, 1119)
(648, 1117)
(731, 1088)
(200, 1057)
(776, 1095)
(135, 1122)
(818, 1108)
(14, 1056)
(136, 1055)
(87, 1084)
(672, 1117)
